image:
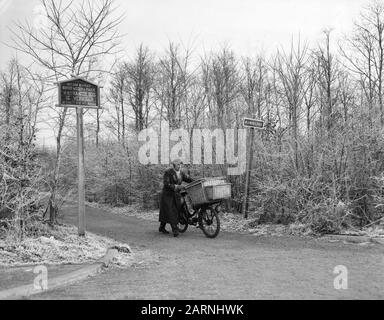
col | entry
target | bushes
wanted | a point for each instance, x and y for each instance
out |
(113, 175)
(326, 216)
(20, 182)
(339, 182)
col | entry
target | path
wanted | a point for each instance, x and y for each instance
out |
(233, 266)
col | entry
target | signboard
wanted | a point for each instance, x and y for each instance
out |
(79, 92)
(253, 123)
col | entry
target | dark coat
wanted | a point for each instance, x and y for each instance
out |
(170, 203)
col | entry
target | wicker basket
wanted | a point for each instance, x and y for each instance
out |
(217, 192)
(214, 181)
(208, 190)
(196, 192)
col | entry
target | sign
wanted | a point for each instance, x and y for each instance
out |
(253, 123)
(79, 92)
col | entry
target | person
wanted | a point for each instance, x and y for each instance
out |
(170, 203)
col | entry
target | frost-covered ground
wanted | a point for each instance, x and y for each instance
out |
(60, 246)
(229, 221)
(236, 223)
(233, 266)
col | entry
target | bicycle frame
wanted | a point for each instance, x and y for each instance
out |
(197, 209)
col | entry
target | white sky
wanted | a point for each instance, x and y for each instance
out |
(248, 26)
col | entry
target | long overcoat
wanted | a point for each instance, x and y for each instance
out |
(170, 203)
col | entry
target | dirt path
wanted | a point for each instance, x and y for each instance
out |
(232, 266)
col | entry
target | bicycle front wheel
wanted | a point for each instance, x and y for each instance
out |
(209, 222)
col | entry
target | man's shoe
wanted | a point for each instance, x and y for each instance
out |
(163, 231)
(175, 234)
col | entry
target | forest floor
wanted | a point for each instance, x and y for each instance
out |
(232, 266)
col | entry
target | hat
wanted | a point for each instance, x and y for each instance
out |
(177, 161)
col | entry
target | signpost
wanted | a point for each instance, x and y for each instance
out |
(79, 93)
(253, 124)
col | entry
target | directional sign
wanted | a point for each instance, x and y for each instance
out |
(79, 92)
(253, 123)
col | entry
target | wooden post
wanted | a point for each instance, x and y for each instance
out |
(81, 175)
(248, 173)
(79, 93)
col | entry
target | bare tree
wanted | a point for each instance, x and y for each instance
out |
(8, 86)
(222, 84)
(196, 104)
(254, 84)
(139, 86)
(310, 97)
(118, 98)
(291, 70)
(347, 95)
(327, 78)
(364, 55)
(172, 82)
(21, 101)
(76, 36)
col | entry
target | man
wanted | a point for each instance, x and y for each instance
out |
(170, 203)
